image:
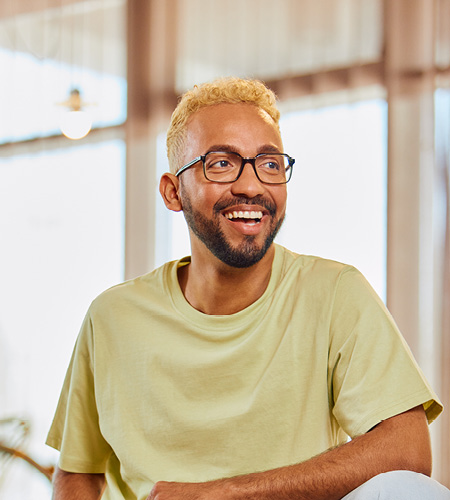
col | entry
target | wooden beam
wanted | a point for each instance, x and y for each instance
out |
(17, 8)
(328, 80)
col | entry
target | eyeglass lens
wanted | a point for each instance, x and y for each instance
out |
(272, 168)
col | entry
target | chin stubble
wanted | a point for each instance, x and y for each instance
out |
(208, 231)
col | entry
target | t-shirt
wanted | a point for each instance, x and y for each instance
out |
(157, 390)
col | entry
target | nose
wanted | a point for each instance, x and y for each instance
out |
(247, 184)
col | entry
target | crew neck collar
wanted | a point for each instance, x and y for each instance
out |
(192, 314)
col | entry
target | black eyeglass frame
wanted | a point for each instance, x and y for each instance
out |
(245, 160)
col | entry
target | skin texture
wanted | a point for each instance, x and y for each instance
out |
(67, 485)
(208, 283)
(213, 286)
(401, 442)
(249, 131)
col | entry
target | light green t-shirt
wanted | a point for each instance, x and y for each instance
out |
(157, 390)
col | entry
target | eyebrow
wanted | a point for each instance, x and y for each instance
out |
(227, 148)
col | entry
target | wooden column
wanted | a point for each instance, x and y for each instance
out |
(151, 99)
(415, 251)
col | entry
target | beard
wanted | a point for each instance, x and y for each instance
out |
(209, 232)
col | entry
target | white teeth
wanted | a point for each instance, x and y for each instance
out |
(244, 215)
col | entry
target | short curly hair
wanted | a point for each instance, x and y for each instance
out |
(224, 90)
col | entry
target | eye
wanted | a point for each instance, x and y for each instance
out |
(272, 165)
(221, 161)
(220, 164)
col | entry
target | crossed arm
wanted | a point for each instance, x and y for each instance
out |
(401, 442)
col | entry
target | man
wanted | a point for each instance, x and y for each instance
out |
(240, 372)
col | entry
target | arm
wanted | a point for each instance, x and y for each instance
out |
(401, 442)
(71, 486)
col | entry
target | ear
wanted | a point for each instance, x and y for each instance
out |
(168, 187)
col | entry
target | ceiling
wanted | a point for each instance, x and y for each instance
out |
(81, 33)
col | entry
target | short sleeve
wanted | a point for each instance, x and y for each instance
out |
(75, 429)
(372, 373)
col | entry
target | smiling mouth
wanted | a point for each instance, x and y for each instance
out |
(247, 216)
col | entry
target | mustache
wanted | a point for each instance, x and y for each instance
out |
(242, 200)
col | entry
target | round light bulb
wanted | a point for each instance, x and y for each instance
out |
(76, 124)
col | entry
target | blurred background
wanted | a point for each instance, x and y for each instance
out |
(364, 90)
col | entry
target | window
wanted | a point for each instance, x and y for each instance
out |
(61, 208)
(61, 221)
(337, 195)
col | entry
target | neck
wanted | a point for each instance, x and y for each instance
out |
(218, 289)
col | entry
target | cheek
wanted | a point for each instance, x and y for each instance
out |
(189, 184)
(199, 191)
(280, 198)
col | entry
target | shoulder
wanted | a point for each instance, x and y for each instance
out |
(311, 266)
(320, 278)
(141, 289)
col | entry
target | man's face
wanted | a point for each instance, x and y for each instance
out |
(236, 222)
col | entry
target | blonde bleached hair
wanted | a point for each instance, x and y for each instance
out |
(230, 90)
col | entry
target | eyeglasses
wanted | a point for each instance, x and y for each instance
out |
(226, 167)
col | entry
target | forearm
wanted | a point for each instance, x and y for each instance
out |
(398, 443)
(71, 486)
(337, 472)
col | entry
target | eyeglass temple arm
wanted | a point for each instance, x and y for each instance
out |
(188, 165)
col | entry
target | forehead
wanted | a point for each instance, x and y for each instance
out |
(244, 127)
